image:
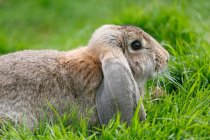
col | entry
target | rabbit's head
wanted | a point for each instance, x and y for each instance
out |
(145, 56)
(129, 56)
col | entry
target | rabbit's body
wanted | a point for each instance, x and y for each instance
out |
(51, 77)
(107, 75)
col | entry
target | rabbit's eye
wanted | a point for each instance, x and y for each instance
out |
(136, 45)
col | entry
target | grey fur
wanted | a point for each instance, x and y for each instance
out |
(106, 74)
(118, 91)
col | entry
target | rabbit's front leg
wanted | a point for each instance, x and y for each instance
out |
(142, 113)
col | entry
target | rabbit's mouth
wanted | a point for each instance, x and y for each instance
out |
(159, 68)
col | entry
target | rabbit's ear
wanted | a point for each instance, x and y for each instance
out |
(118, 91)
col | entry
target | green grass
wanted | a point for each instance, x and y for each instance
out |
(182, 27)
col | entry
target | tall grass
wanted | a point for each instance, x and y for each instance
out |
(182, 27)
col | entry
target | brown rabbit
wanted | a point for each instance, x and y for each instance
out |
(109, 73)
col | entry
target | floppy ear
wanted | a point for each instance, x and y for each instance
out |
(118, 91)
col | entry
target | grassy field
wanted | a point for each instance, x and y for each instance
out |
(182, 27)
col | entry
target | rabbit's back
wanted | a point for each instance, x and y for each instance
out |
(24, 66)
(31, 79)
(20, 70)
(25, 84)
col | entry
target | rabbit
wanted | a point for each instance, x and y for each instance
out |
(106, 76)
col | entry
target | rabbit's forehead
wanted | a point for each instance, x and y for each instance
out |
(133, 32)
(129, 32)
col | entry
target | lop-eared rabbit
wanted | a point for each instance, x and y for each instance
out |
(107, 75)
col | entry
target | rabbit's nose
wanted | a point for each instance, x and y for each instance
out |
(167, 56)
(167, 59)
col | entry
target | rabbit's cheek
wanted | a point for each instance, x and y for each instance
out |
(149, 70)
(142, 68)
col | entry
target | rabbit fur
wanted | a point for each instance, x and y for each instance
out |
(107, 76)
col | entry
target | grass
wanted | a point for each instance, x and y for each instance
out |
(182, 27)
